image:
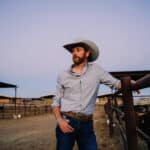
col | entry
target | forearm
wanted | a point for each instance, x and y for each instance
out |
(57, 113)
(119, 85)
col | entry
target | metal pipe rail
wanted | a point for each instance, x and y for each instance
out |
(123, 135)
(143, 135)
(122, 114)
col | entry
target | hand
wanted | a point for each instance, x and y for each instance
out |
(64, 125)
(132, 83)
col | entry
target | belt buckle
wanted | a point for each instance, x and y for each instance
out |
(80, 116)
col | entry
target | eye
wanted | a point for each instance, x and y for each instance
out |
(78, 50)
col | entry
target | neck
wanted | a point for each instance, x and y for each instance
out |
(79, 68)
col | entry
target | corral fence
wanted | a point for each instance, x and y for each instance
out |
(124, 117)
(8, 111)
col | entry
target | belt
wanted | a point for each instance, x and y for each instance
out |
(78, 116)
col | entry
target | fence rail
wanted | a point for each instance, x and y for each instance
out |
(8, 111)
(142, 83)
(125, 117)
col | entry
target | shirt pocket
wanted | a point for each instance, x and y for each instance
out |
(72, 87)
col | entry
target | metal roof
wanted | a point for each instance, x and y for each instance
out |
(47, 96)
(135, 75)
(7, 85)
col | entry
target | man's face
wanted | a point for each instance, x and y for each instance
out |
(79, 55)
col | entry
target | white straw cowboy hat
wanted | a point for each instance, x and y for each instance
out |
(87, 44)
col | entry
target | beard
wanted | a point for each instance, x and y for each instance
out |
(78, 60)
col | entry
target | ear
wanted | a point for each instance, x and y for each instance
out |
(88, 53)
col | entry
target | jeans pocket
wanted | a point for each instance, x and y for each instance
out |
(67, 118)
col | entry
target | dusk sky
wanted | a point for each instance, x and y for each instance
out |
(32, 33)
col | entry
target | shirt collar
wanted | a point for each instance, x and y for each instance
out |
(79, 74)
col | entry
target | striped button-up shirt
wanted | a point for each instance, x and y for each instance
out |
(78, 92)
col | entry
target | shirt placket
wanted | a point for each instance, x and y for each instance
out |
(80, 95)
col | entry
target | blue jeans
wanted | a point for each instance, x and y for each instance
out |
(83, 134)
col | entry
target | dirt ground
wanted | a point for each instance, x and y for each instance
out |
(38, 133)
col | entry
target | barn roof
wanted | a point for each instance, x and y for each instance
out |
(4, 97)
(7, 85)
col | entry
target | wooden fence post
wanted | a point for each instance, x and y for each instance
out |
(129, 113)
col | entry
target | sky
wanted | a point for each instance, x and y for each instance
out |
(32, 33)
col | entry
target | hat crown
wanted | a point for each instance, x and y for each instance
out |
(93, 48)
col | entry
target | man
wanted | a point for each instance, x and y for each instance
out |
(76, 95)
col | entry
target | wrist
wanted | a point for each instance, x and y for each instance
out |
(58, 119)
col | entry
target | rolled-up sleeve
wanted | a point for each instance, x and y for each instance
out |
(107, 79)
(58, 94)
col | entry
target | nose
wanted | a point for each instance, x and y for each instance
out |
(74, 52)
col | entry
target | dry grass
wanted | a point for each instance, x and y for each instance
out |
(32, 133)
(38, 133)
(105, 142)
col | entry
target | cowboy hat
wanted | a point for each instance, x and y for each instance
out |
(87, 44)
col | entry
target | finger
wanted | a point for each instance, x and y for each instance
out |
(66, 130)
(70, 127)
